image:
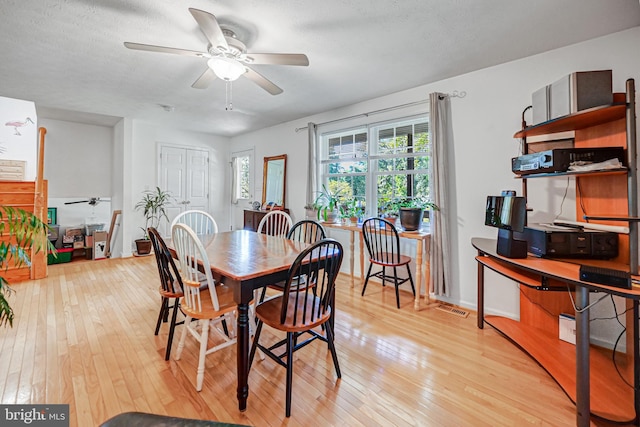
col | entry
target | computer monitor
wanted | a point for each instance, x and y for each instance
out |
(508, 214)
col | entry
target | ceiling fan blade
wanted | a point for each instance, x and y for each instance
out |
(162, 49)
(262, 81)
(279, 58)
(79, 201)
(205, 79)
(209, 27)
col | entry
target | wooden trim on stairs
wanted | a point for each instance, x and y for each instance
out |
(39, 259)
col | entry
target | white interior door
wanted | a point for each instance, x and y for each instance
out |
(184, 172)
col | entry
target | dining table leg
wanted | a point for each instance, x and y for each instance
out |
(242, 346)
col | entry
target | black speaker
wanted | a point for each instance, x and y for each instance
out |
(510, 247)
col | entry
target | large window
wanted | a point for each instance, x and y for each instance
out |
(242, 185)
(376, 164)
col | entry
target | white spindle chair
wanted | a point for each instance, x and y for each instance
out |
(201, 222)
(275, 223)
(210, 305)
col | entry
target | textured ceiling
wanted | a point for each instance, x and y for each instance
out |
(69, 54)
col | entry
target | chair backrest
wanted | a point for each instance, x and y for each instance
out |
(307, 231)
(199, 221)
(275, 223)
(383, 242)
(192, 254)
(170, 279)
(318, 266)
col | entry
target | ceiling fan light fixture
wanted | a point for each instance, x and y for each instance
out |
(227, 69)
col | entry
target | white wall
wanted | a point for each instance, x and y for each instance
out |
(19, 134)
(483, 126)
(78, 166)
(77, 159)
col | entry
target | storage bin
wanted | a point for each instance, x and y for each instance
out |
(64, 255)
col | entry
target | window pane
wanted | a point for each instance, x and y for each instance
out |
(394, 173)
(244, 177)
(347, 167)
(334, 148)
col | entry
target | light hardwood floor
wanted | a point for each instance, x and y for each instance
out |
(84, 336)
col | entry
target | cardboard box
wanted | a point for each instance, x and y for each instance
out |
(99, 244)
(567, 327)
(74, 232)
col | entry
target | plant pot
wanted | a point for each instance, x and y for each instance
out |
(411, 218)
(311, 213)
(143, 246)
(333, 216)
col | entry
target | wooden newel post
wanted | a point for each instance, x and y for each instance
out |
(39, 259)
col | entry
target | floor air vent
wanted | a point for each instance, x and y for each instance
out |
(453, 310)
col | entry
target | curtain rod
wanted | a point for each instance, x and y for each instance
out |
(383, 110)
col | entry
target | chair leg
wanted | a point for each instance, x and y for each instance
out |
(256, 339)
(367, 279)
(163, 307)
(289, 372)
(384, 275)
(332, 348)
(204, 337)
(225, 328)
(395, 279)
(187, 324)
(253, 322)
(172, 327)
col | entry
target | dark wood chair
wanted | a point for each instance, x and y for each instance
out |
(170, 286)
(299, 311)
(307, 231)
(383, 245)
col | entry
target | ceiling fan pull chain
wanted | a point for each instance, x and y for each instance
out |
(229, 94)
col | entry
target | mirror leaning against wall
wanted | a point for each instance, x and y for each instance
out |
(273, 180)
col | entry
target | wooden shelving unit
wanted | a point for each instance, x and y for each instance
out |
(581, 120)
(586, 373)
(611, 398)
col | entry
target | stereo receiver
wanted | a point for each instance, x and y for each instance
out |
(559, 159)
(548, 240)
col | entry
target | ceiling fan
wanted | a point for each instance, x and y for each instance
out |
(227, 56)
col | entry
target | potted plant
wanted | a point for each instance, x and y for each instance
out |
(25, 230)
(311, 212)
(411, 210)
(351, 210)
(327, 204)
(153, 206)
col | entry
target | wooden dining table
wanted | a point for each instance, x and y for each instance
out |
(246, 260)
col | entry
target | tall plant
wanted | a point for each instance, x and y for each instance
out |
(153, 206)
(25, 231)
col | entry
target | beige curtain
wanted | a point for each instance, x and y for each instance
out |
(312, 165)
(440, 133)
